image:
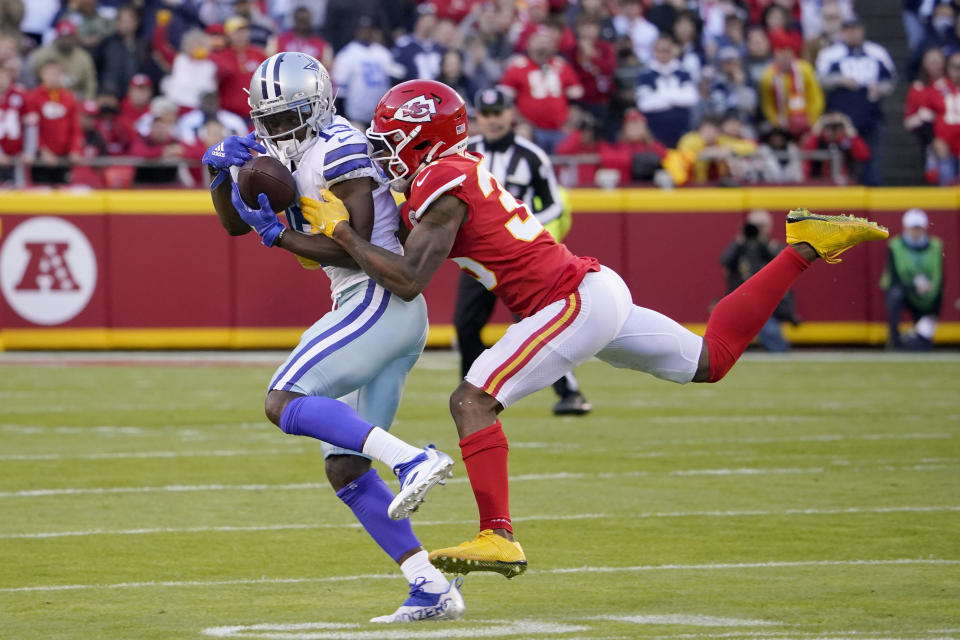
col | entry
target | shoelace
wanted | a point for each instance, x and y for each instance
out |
(417, 585)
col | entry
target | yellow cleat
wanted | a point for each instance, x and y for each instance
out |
(487, 552)
(831, 235)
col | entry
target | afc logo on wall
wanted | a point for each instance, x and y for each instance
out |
(48, 270)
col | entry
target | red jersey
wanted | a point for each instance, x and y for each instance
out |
(944, 100)
(234, 71)
(501, 244)
(13, 105)
(543, 91)
(58, 118)
(311, 45)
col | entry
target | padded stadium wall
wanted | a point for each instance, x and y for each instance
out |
(154, 270)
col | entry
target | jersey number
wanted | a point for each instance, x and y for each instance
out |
(525, 228)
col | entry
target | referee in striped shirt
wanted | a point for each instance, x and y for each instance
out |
(525, 171)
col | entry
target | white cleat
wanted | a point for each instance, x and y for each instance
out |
(417, 477)
(422, 606)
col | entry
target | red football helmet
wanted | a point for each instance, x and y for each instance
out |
(415, 123)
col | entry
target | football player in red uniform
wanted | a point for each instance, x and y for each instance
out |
(573, 308)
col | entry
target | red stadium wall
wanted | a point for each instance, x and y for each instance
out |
(166, 276)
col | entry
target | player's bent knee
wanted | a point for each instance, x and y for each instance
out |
(275, 403)
(344, 469)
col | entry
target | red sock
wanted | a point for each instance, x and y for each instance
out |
(739, 316)
(485, 456)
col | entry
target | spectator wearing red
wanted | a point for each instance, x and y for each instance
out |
(116, 136)
(454, 10)
(758, 9)
(55, 114)
(303, 38)
(543, 84)
(918, 117)
(594, 61)
(583, 140)
(537, 17)
(637, 154)
(944, 101)
(235, 66)
(137, 101)
(790, 94)
(157, 139)
(92, 145)
(834, 131)
(776, 18)
(12, 109)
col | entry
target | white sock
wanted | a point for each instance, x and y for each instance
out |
(388, 449)
(418, 566)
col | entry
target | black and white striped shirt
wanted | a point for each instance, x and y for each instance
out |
(525, 170)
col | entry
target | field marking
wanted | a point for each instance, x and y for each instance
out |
(882, 466)
(335, 631)
(433, 523)
(136, 455)
(559, 571)
(687, 619)
(464, 629)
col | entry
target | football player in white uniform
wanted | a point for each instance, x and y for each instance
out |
(361, 351)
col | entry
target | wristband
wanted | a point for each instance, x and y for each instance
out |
(276, 242)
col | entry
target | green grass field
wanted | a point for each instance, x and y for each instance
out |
(808, 496)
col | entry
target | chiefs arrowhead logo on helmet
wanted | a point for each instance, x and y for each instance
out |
(415, 123)
(419, 109)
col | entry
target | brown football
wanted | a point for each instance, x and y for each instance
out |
(265, 174)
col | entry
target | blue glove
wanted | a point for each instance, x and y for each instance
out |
(263, 220)
(233, 151)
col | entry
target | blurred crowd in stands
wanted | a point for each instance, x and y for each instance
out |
(684, 91)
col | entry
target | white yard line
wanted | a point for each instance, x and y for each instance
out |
(559, 571)
(136, 455)
(534, 518)
(883, 467)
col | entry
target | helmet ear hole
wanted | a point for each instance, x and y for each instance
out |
(422, 145)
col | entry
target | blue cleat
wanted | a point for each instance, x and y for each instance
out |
(422, 606)
(418, 476)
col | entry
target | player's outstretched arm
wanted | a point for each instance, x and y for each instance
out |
(427, 246)
(232, 151)
(226, 213)
(357, 197)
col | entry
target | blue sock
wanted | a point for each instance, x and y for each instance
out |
(368, 497)
(325, 419)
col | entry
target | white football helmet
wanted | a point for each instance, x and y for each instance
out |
(291, 100)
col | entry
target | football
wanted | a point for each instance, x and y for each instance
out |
(265, 174)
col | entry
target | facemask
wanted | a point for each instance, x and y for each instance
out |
(288, 148)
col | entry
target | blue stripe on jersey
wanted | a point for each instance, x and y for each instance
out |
(347, 167)
(345, 150)
(350, 337)
(350, 317)
(295, 219)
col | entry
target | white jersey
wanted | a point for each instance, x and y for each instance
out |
(340, 153)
